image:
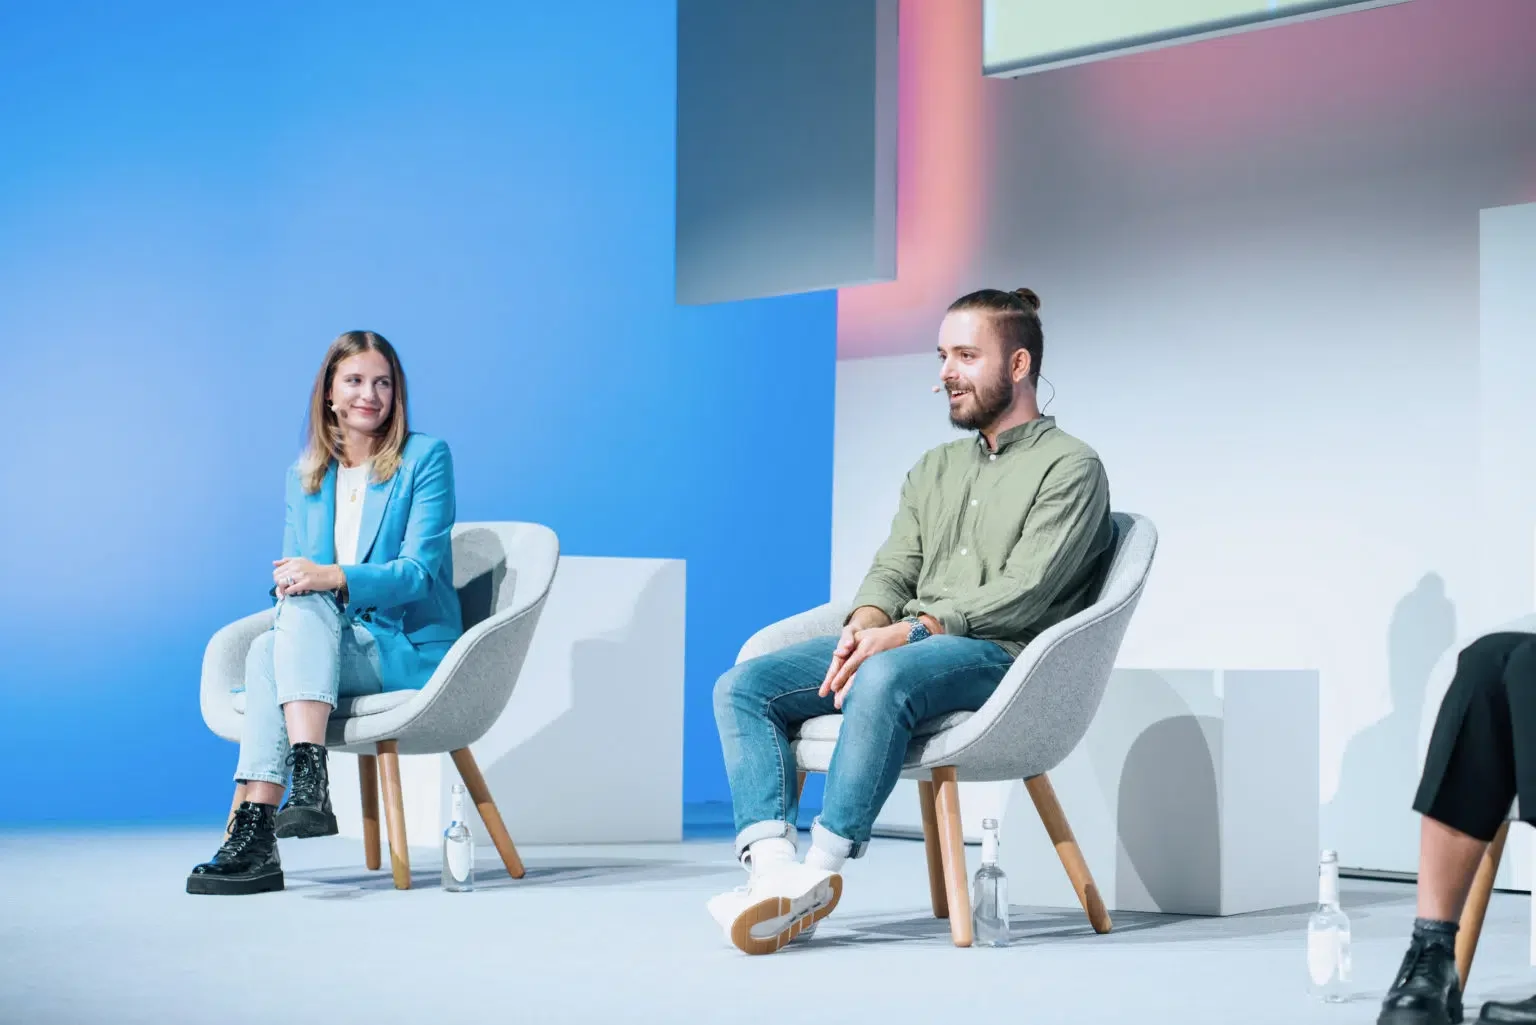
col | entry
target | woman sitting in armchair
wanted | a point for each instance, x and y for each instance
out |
(365, 602)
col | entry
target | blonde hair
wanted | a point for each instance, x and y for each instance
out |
(323, 434)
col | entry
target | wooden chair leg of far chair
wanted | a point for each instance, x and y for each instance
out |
(926, 804)
(394, 813)
(1056, 827)
(957, 890)
(799, 785)
(1476, 907)
(368, 786)
(233, 805)
(474, 782)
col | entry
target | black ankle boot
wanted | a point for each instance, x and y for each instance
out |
(1521, 1013)
(1427, 990)
(307, 812)
(247, 863)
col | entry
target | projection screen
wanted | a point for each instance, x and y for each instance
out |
(1024, 36)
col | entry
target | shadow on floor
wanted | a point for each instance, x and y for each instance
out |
(340, 884)
(1030, 926)
(1025, 928)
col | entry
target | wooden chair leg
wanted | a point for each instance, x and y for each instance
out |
(469, 771)
(952, 848)
(1476, 908)
(233, 805)
(1056, 827)
(925, 799)
(394, 813)
(368, 785)
(799, 785)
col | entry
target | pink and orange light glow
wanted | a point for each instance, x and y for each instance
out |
(941, 186)
(1371, 79)
(1405, 63)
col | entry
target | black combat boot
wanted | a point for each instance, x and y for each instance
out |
(307, 812)
(1427, 990)
(247, 863)
(1520, 1013)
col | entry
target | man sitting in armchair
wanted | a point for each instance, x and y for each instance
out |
(997, 537)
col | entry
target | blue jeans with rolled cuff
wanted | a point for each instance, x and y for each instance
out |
(758, 703)
(312, 653)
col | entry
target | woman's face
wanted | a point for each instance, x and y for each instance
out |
(362, 392)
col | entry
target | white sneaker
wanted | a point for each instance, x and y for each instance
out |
(779, 904)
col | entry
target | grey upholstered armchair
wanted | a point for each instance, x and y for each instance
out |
(1028, 726)
(503, 573)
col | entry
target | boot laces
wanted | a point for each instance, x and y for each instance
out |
(307, 763)
(1416, 963)
(243, 830)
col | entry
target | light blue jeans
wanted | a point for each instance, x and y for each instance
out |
(760, 701)
(312, 653)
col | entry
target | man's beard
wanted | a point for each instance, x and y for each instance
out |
(987, 402)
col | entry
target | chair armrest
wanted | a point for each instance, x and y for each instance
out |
(822, 621)
(1044, 704)
(224, 668)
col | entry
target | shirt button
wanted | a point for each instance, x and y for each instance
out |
(992, 459)
(974, 501)
(964, 551)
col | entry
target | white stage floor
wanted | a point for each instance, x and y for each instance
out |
(95, 928)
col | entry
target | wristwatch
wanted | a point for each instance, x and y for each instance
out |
(918, 631)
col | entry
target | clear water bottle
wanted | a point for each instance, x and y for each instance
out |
(990, 919)
(458, 848)
(1328, 958)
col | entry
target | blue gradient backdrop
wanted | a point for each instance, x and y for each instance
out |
(195, 198)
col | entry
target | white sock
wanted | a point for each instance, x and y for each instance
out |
(818, 857)
(764, 854)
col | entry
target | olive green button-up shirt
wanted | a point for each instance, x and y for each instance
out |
(997, 545)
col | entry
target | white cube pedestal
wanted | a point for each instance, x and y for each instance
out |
(1194, 792)
(590, 748)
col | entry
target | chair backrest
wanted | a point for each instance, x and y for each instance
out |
(501, 570)
(1045, 704)
(1134, 549)
(498, 567)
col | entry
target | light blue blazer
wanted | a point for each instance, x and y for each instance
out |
(401, 590)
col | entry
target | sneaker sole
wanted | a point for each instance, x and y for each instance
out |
(303, 823)
(779, 907)
(223, 886)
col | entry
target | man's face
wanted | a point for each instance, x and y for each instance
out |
(975, 374)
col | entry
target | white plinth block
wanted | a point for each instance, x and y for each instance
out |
(590, 748)
(1194, 792)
